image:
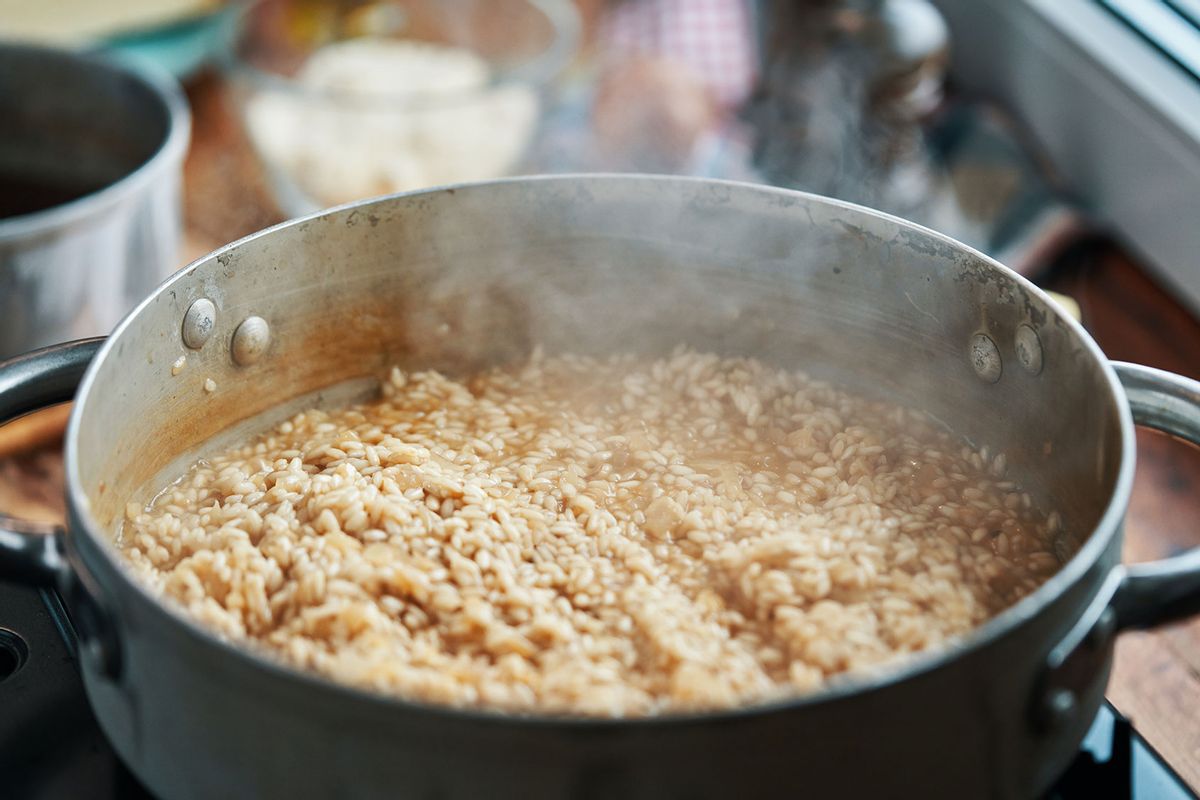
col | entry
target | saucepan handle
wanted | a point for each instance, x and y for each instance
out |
(1134, 596)
(1164, 591)
(38, 554)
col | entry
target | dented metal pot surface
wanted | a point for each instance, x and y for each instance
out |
(460, 277)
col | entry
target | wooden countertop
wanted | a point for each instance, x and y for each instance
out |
(1156, 681)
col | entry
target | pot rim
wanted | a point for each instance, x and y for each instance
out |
(863, 682)
(169, 152)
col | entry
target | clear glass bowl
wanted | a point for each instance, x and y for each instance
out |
(346, 100)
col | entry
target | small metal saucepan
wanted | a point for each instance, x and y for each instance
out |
(91, 155)
(461, 277)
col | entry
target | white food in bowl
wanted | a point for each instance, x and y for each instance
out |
(372, 116)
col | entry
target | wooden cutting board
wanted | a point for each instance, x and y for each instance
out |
(31, 482)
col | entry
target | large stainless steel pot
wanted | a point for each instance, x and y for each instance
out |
(463, 276)
(107, 141)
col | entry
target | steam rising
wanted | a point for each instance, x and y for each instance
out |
(643, 265)
(828, 117)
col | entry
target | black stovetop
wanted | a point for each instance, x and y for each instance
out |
(51, 748)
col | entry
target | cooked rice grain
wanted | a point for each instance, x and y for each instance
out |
(596, 536)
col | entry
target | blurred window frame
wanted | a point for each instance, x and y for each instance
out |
(1117, 111)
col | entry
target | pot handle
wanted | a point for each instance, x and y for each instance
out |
(1159, 592)
(1134, 596)
(39, 554)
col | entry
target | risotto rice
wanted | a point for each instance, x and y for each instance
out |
(617, 536)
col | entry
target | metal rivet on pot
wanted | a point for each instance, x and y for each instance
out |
(198, 323)
(1060, 706)
(250, 340)
(1029, 349)
(985, 358)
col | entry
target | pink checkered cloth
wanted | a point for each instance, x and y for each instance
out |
(714, 38)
